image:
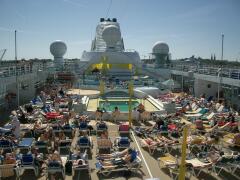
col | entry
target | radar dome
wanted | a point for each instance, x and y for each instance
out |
(58, 48)
(160, 48)
(111, 35)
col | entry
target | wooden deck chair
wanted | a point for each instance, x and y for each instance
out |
(220, 109)
(171, 163)
(194, 112)
(104, 144)
(7, 170)
(196, 164)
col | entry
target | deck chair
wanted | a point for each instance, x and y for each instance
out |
(232, 139)
(26, 143)
(55, 167)
(83, 127)
(84, 143)
(194, 112)
(64, 144)
(171, 163)
(6, 144)
(27, 163)
(41, 144)
(67, 129)
(107, 170)
(8, 170)
(196, 164)
(122, 143)
(220, 109)
(101, 127)
(151, 147)
(208, 117)
(124, 129)
(5, 131)
(104, 144)
(82, 164)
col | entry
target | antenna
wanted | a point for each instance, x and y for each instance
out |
(109, 7)
(16, 45)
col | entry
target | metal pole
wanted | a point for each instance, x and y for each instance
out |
(222, 46)
(17, 85)
(182, 78)
(182, 169)
(15, 45)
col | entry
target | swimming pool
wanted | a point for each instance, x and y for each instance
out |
(122, 105)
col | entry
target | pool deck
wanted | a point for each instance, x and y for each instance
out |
(150, 167)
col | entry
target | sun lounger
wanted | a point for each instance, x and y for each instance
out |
(208, 117)
(84, 143)
(232, 139)
(64, 144)
(83, 127)
(8, 170)
(194, 112)
(122, 143)
(28, 163)
(101, 127)
(26, 143)
(124, 129)
(199, 165)
(107, 170)
(82, 164)
(6, 144)
(56, 167)
(171, 163)
(105, 144)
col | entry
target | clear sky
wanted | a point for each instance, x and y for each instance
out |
(190, 27)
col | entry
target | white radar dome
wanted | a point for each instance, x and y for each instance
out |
(111, 35)
(58, 48)
(160, 48)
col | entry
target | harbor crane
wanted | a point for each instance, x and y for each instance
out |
(4, 51)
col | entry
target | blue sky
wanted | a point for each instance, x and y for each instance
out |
(190, 27)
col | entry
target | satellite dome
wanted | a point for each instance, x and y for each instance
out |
(160, 48)
(58, 48)
(111, 35)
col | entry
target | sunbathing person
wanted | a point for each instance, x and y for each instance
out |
(79, 159)
(165, 140)
(113, 155)
(44, 136)
(128, 158)
(55, 157)
(9, 158)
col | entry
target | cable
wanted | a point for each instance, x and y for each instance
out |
(109, 7)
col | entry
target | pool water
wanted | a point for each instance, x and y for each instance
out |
(122, 105)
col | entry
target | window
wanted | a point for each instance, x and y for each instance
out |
(209, 86)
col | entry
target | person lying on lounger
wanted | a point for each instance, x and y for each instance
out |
(10, 158)
(54, 157)
(128, 158)
(117, 154)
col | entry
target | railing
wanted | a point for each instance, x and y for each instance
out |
(207, 70)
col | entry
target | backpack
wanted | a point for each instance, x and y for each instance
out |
(68, 167)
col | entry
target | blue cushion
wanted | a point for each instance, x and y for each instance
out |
(5, 143)
(83, 140)
(83, 125)
(123, 141)
(27, 159)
